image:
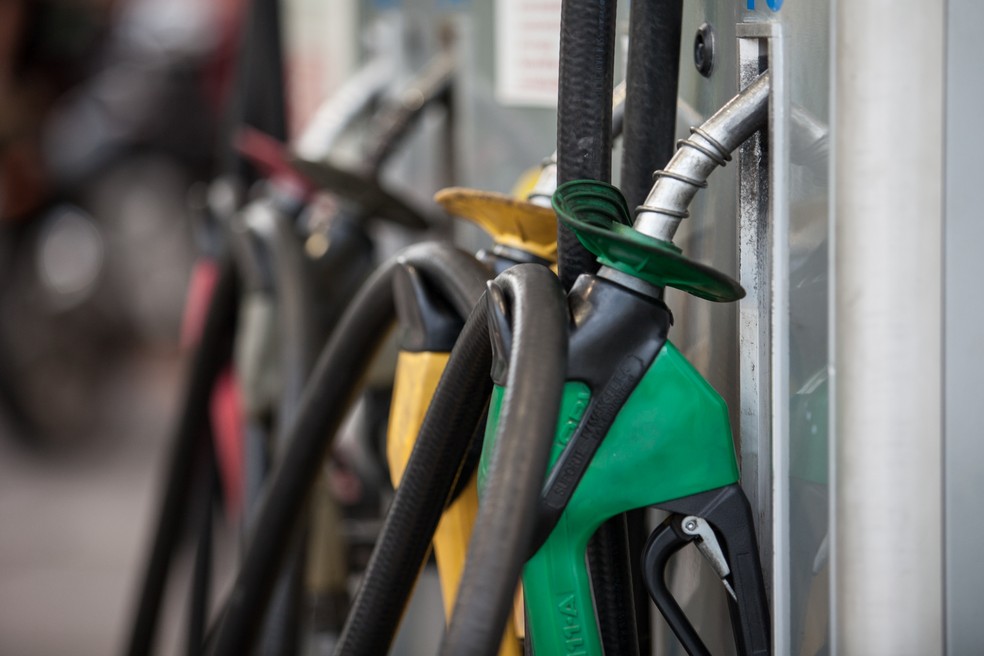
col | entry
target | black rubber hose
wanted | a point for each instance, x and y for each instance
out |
(334, 384)
(500, 540)
(649, 134)
(309, 303)
(611, 583)
(264, 85)
(202, 573)
(393, 124)
(651, 94)
(12, 408)
(649, 131)
(295, 320)
(451, 423)
(584, 115)
(212, 355)
(587, 50)
(258, 98)
(23, 426)
(282, 624)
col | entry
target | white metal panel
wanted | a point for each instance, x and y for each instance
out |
(887, 217)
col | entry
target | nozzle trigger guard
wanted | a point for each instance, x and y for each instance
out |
(722, 514)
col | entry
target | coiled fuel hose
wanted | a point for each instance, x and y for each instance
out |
(334, 384)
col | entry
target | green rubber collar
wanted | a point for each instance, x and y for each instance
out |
(599, 216)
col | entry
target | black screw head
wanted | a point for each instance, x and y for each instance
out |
(704, 50)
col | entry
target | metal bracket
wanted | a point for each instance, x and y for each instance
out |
(763, 316)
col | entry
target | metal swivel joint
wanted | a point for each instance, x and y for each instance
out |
(599, 216)
(708, 147)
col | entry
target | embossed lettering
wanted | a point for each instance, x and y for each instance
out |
(567, 606)
(573, 639)
(574, 418)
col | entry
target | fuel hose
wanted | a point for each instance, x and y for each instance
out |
(651, 82)
(453, 421)
(311, 295)
(201, 579)
(282, 624)
(501, 538)
(212, 354)
(584, 113)
(306, 309)
(450, 425)
(649, 131)
(258, 100)
(297, 319)
(587, 47)
(334, 384)
(259, 87)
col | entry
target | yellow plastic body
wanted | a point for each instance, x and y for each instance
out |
(417, 375)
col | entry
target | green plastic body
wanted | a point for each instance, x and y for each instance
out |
(671, 439)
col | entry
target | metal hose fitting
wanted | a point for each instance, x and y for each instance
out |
(708, 147)
(546, 184)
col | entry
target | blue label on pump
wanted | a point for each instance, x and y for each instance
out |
(774, 5)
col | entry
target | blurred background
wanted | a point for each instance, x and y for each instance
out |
(108, 117)
(115, 122)
(117, 126)
(114, 119)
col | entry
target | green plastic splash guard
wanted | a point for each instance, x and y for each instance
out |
(598, 215)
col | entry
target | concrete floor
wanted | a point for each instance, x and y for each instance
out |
(74, 525)
(74, 530)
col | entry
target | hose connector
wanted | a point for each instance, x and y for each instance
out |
(707, 148)
(546, 184)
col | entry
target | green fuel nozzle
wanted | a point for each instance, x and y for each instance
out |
(638, 425)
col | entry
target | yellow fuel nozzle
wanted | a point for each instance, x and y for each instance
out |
(510, 222)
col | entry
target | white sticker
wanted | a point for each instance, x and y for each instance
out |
(527, 46)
